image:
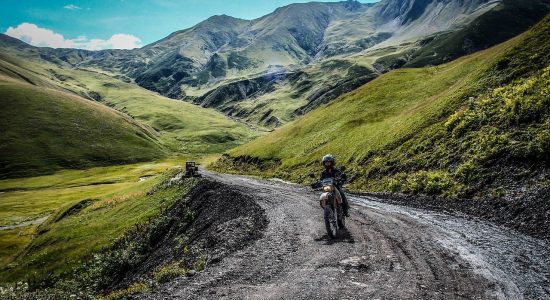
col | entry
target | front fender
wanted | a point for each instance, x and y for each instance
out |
(325, 198)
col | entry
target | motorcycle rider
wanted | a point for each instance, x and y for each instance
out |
(330, 171)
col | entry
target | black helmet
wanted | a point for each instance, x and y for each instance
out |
(328, 157)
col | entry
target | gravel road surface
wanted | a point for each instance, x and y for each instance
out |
(386, 252)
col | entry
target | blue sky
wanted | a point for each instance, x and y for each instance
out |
(117, 23)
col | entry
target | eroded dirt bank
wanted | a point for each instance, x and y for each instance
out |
(210, 222)
(387, 252)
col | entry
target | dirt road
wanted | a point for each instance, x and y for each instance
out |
(387, 252)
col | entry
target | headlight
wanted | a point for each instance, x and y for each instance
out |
(327, 189)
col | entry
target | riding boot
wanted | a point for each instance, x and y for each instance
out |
(345, 203)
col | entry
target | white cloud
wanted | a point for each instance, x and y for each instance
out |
(43, 37)
(117, 41)
(124, 41)
(36, 36)
(72, 7)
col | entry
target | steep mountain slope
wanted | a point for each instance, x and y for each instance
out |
(297, 34)
(269, 70)
(44, 129)
(508, 19)
(477, 126)
(239, 71)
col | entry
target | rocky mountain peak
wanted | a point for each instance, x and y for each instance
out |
(407, 11)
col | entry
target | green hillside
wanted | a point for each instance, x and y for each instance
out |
(474, 125)
(52, 223)
(58, 117)
(184, 128)
(44, 130)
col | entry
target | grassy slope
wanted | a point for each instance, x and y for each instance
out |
(185, 128)
(118, 200)
(392, 132)
(177, 127)
(44, 130)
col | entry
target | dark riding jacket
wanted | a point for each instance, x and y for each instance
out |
(336, 174)
(341, 178)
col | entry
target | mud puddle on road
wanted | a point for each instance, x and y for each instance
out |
(517, 264)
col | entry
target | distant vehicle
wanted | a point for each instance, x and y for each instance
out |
(191, 169)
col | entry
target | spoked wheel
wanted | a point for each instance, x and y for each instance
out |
(330, 222)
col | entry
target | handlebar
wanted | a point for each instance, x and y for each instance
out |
(317, 184)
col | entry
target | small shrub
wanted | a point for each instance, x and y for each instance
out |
(498, 192)
(168, 272)
(453, 120)
(415, 183)
(398, 183)
(436, 183)
(200, 264)
(456, 190)
(395, 185)
(432, 183)
(540, 145)
(467, 172)
(134, 288)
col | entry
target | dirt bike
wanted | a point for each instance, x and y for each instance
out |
(331, 203)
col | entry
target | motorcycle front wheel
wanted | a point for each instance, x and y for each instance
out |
(330, 222)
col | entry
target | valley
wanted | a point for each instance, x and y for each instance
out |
(440, 105)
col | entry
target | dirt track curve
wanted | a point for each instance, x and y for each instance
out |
(387, 252)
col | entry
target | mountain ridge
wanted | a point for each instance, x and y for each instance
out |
(334, 46)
